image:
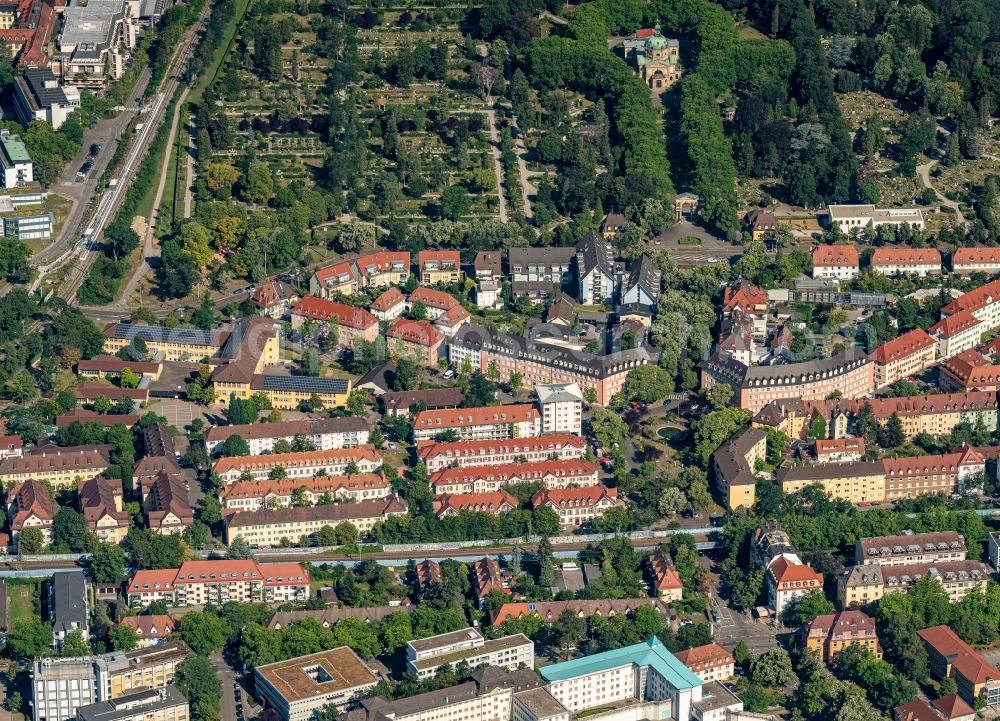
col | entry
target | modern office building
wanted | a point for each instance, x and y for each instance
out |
(159, 704)
(39, 96)
(425, 657)
(60, 686)
(300, 686)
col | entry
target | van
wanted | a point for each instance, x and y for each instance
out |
(448, 374)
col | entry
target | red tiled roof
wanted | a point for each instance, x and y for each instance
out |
(665, 576)
(744, 296)
(902, 346)
(709, 656)
(975, 299)
(836, 255)
(504, 472)
(388, 300)
(909, 406)
(325, 310)
(553, 441)
(366, 452)
(489, 502)
(415, 331)
(851, 623)
(330, 273)
(434, 298)
(975, 256)
(915, 710)
(947, 463)
(972, 370)
(441, 256)
(953, 324)
(964, 659)
(586, 496)
(906, 256)
(156, 626)
(446, 418)
(382, 262)
(32, 499)
(288, 486)
(452, 318)
(952, 706)
(840, 445)
(153, 581)
(784, 571)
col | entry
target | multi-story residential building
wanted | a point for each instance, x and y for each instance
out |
(39, 96)
(946, 708)
(666, 581)
(384, 268)
(124, 672)
(199, 582)
(428, 576)
(970, 370)
(839, 450)
(761, 223)
(417, 340)
(166, 504)
(751, 301)
(910, 548)
(259, 495)
(303, 464)
(549, 611)
(768, 542)
(556, 446)
(864, 584)
(162, 704)
(520, 420)
(839, 262)
(299, 687)
(426, 656)
(350, 324)
(492, 502)
(439, 267)
(324, 434)
(903, 356)
(595, 270)
(29, 505)
(851, 374)
(60, 686)
(710, 662)
(787, 580)
(408, 402)
(445, 313)
(831, 634)
(270, 527)
(983, 303)
(463, 478)
(909, 261)
(615, 677)
(540, 273)
(868, 217)
(951, 657)
(561, 406)
(490, 693)
(150, 630)
(388, 306)
(488, 267)
(956, 333)
(14, 161)
(541, 362)
(68, 610)
(102, 509)
(735, 464)
(274, 298)
(640, 287)
(927, 475)
(60, 466)
(486, 578)
(577, 506)
(966, 261)
(342, 278)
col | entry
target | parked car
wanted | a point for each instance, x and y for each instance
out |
(448, 374)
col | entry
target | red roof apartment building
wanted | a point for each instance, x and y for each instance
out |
(966, 261)
(201, 582)
(839, 262)
(956, 333)
(903, 356)
(481, 479)
(492, 502)
(915, 261)
(351, 324)
(304, 464)
(486, 577)
(417, 340)
(343, 278)
(666, 581)
(839, 450)
(151, 630)
(577, 506)
(440, 455)
(446, 313)
(788, 579)
(752, 301)
(383, 268)
(29, 505)
(388, 306)
(439, 266)
(521, 420)
(258, 495)
(970, 370)
(924, 475)
(983, 302)
(710, 662)
(950, 656)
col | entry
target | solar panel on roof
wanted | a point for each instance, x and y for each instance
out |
(305, 384)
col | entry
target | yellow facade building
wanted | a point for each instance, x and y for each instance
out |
(857, 482)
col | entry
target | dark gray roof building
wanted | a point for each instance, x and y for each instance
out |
(68, 604)
(137, 706)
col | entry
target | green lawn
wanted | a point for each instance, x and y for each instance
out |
(23, 597)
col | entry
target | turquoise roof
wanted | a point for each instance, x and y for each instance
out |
(651, 653)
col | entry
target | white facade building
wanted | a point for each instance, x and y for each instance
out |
(561, 406)
(425, 657)
(62, 685)
(868, 217)
(325, 435)
(14, 161)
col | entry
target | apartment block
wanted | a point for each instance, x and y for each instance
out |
(838, 262)
(338, 279)
(839, 450)
(490, 478)
(261, 495)
(439, 267)
(966, 261)
(539, 273)
(200, 582)
(443, 310)
(561, 406)
(388, 306)
(492, 502)
(59, 466)
(299, 687)
(416, 340)
(558, 446)
(577, 506)
(910, 548)
(710, 662)
(29, 505)
(735, 466)
(903, 356)
(952, 657)
(325, 316)
(865, 584)
(906, 261)
(425, 657)
(160, 704)
(983, 303)
(956, 333)
(270, 527)
(520, 420)
(666, 581)
(304, 464)
(325, 434)
(831, 634)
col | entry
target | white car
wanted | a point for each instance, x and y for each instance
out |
(448, 374)
(713, 259)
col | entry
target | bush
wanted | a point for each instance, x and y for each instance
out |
(689, 240)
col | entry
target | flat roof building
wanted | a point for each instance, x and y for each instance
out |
(161, 704)
(425, 657)
(300, 686)
(39, 96)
